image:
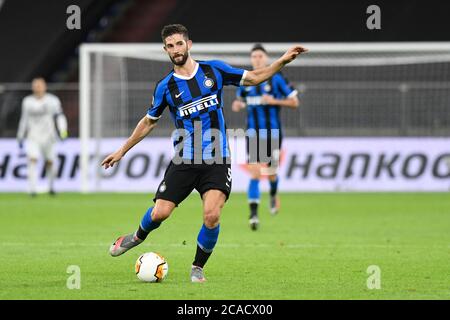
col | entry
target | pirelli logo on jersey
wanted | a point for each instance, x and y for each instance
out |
(198, 105)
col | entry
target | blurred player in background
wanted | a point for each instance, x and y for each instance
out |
(192, 91)
(264, 129)
(41, 124)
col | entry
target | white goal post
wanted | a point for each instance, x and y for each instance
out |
(335, 74)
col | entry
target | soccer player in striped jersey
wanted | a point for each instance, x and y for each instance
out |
(192, 92)
(264, 134)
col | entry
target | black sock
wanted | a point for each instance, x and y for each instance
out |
(141, 233)
(273, 187)
(201, 257)
(253, 209)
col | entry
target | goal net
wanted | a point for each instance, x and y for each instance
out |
(346, 89)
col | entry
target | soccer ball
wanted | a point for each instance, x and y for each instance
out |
(151, 267)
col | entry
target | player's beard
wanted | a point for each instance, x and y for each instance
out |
(182, 61)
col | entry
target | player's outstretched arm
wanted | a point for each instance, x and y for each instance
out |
(290, 102)
(143, 128)
(255, 77)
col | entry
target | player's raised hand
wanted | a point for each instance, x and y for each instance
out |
(113, 158)
(292, 53)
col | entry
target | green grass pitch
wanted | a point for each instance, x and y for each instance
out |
(318, 247)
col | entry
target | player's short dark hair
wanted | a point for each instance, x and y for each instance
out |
(258, 46)
(171, 29)
(40, 78)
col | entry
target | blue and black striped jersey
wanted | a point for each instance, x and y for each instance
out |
(260, 116)
(196, 102)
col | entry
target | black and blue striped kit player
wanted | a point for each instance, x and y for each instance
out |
(196, 102)
(262, 116)
(192, 91)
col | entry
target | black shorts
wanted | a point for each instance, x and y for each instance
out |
(180, 179)
(264, 150)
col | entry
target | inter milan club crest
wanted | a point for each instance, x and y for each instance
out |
(267, 88)
(208, 82)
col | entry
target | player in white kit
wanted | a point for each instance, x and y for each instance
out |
(42, 123)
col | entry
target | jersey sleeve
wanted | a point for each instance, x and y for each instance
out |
(23, 123)
(56, 103)
(60, 118)
(159, 103)
(283, 86)
(240, 93)
(230, 75)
